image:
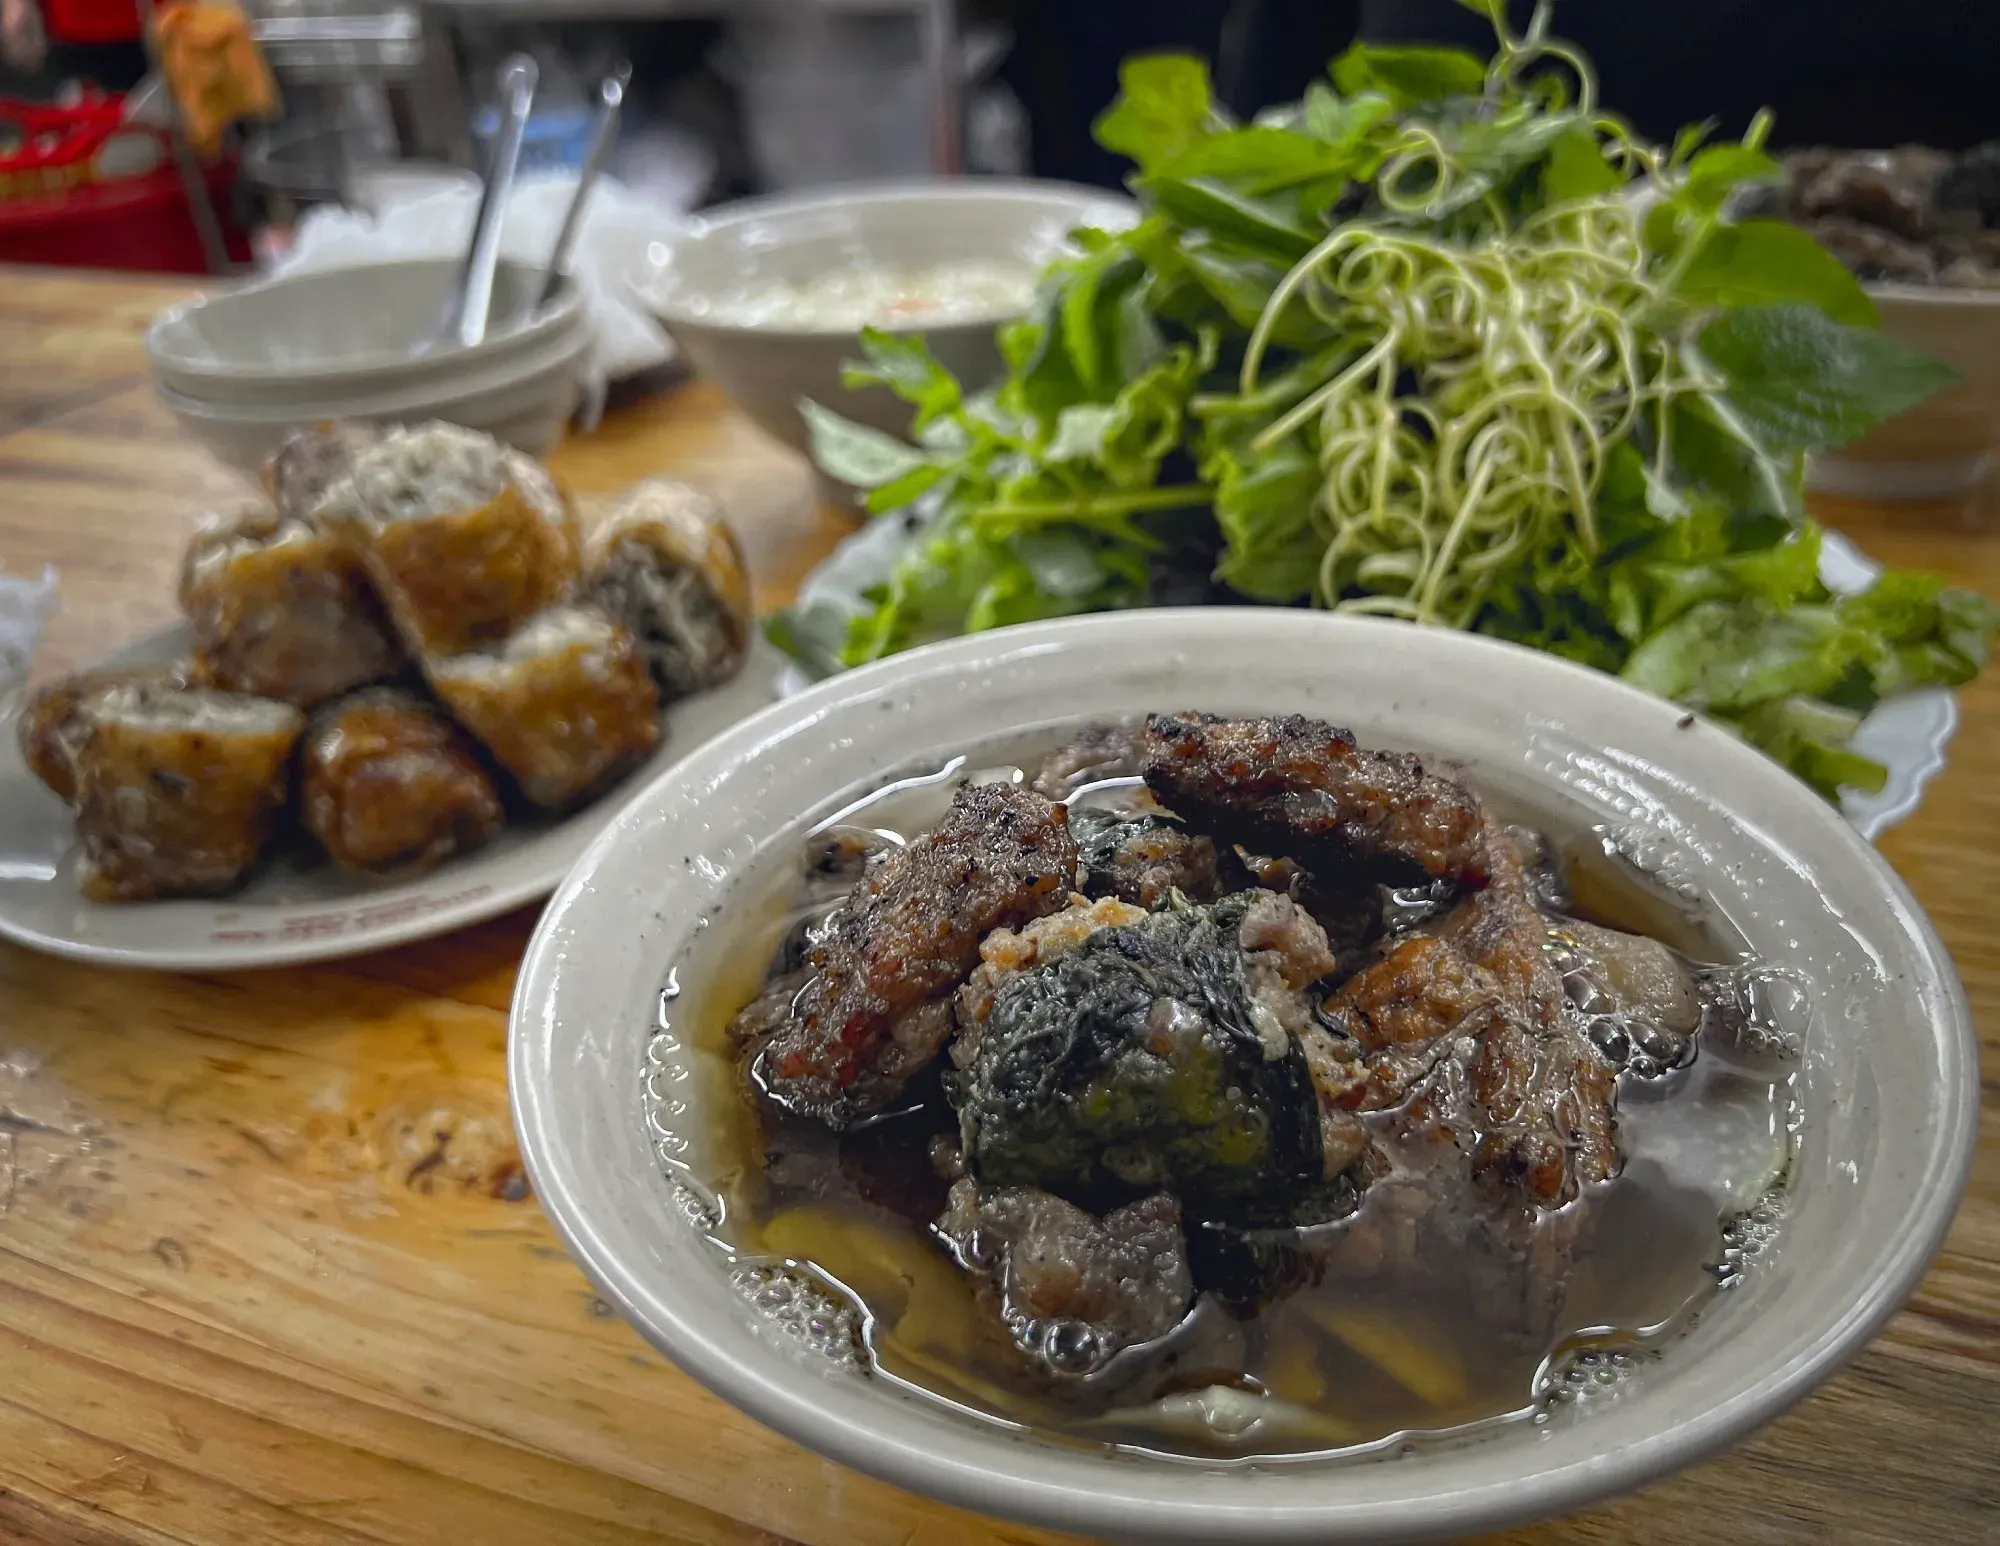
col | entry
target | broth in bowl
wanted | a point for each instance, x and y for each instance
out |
(1221, 1088)
(884, 295)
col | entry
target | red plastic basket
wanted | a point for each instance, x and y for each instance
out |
(55, 208)
(91, 21)
(58, 145)
(141, 224)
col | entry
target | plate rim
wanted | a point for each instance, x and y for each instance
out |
(536, 880)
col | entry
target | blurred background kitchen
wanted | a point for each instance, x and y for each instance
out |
(374, 101)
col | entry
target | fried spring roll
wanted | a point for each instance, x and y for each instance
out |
(666, 565)
(464, 539)
(281, 609)
(389, 785)
(178, 789)
(55, 720)
(565, 705)
(308, 462)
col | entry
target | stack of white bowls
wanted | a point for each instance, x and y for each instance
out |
(241, 368)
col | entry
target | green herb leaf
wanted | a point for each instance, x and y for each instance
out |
(1267, 225)
(1343, 121)
(1767, 262)
(902, 362)
(1408, 75)
(1810, 737)
(907, 488)
(1718, 171)
(1577, 169)
(1726, 656)
(1716, 447)
(1264, 505)
(1164, 105)
(1801, 380)
(1080, 433)
(855, 454)
(1262, 160)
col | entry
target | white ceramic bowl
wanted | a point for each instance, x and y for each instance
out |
(1945, 445)
(1889, 1080)
(524, 401)
(307, 338)
(794, 237)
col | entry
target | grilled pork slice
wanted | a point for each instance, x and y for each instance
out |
(1297, 788)
(876, 1009)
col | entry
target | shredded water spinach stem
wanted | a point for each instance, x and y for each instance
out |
(1485, 387)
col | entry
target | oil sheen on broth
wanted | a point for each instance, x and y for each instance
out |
(1349, 1337)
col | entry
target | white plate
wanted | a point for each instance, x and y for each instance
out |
(614, 1104)
(289, 914)
(1906, 734)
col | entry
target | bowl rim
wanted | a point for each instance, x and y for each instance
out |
(1933, 297)
(640, 276)
(791, 1405)
(565, 313)
(554, 364)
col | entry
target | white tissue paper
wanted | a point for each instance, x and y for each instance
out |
(25, 606)
(617, 226)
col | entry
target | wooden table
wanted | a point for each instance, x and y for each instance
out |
(268, 1272)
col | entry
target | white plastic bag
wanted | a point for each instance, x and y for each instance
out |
(617, 226)
(25, 606)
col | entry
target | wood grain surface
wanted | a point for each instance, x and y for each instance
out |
(269, 1273)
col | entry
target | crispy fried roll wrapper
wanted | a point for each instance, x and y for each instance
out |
(178, 790)
(565, 705)
(464, 539)
(55, 721)
(309, 462)
(282, 609)
(387, 784)
(666, 565)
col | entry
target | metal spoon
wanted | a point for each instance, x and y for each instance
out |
(517, 96)
(465, 314)
(603, 130)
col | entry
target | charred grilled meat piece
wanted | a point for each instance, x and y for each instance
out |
(1301, 788)
(1490, 1109)
(1163, 1053)
(1547, 1097)
(1006, 953)
(1390, 1028)
(1098, 752)
(1143, 859)
(877, 1008)
(1072, 1289)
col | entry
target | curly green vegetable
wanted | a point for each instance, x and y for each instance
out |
(1443, 341)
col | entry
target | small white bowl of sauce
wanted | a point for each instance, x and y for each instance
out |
(768, 297)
